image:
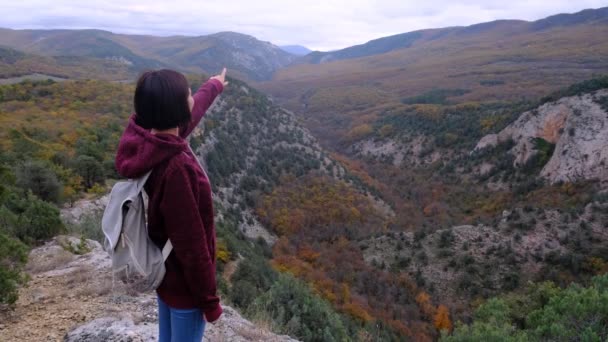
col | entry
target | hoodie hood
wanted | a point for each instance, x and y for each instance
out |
(139, 151)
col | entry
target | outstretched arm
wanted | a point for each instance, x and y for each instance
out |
(203, 99)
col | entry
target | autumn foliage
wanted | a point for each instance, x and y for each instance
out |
(319, 220)
(323, 207)
(72, 126)
(442, 318)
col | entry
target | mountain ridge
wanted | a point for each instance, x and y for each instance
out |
(246, 56)
(404, 40)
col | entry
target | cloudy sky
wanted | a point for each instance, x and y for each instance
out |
(322, 25)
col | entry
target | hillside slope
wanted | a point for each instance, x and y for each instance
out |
(461, 263)
(248, 144)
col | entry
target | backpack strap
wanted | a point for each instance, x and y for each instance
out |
(195, 157)
(167, 249)
(141, 181)
(199, 163)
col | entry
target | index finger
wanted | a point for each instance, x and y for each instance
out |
(224, 72)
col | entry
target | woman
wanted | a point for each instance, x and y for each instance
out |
(180, 206)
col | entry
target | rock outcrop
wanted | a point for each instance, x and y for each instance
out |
(71, 296)
(232, 328)
(414, 151)
(577, 126)
(81, 208)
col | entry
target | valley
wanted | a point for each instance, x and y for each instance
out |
(417, 187)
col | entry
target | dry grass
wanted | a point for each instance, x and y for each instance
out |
(260, 332)
(55, 261)
(85, 281)
(82, 275)
(96, 288)
(264, 322)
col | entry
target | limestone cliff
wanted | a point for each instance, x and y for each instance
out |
(577, 126)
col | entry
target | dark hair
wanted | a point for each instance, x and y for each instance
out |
(161, 100)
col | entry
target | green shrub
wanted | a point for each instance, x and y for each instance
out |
(33, 220)
(90, 169)
(543, 313)
(13, 256)
(544, 153)
(252, 278)
(446, 238)
(37, 176)
(290, 305)
(576, 312)
(80, 248)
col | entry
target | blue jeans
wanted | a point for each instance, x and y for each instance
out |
(177, 325)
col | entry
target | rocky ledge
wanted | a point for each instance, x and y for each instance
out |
(71, 296)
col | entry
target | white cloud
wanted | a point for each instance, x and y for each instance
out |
(326, 25)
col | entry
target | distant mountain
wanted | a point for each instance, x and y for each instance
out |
(589, 16)
(246, 56)
(374, 47)
(297, 50)
(406, 40)
(256, 59)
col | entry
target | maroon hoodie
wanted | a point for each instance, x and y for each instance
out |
(180, 207)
